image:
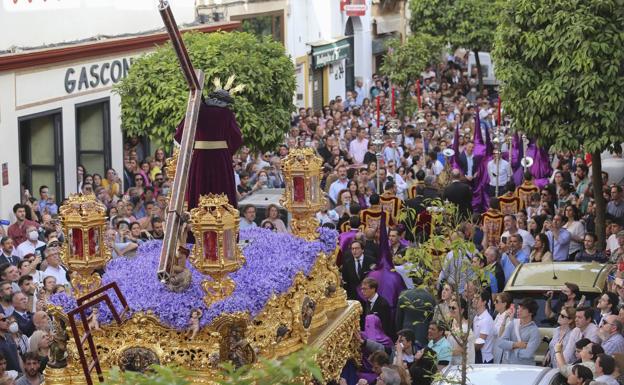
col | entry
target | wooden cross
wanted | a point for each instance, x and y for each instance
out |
(195, 81)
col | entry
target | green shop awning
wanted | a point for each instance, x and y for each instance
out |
(324, 53)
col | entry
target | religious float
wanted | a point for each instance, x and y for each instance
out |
(229, 296)
(238, 297)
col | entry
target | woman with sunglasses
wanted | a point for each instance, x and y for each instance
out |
(561, 335)
(459, 316)
(504, 315)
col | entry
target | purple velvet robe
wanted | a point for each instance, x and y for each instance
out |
(483, 154)
(391, 283)
(211, 171)
(541, 168)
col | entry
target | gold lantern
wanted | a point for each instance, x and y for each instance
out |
(303, 197)
(214, 223)
(84, 223)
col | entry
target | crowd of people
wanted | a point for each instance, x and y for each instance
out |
(529, 219)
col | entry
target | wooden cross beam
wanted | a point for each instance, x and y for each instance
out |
(195, 81)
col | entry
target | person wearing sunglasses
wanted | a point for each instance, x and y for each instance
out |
(562, 335)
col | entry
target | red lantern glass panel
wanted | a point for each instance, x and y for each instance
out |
(298, 189)
(211, 247)
(76, 244)
(92, 240)
(228, 245)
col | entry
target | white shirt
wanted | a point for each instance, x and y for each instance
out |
(437, 167)
(504, 172)
(606, 379)
(27, 247)
(527, 239)
(484, 324)
(358, 149)
(331, 216)
(58, 273)
(336, 187)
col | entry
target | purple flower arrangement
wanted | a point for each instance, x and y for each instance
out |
(272, 261)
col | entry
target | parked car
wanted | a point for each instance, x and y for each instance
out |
(535, 279)
(502, 375)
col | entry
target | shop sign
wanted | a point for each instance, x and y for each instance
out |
(330, 53)
(94, 75)
(353, 7)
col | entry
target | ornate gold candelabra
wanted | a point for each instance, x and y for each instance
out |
(302, 197)
(84, 221)
(216, 253)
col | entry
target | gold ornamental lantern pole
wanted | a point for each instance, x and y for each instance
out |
(84, 222)
(303, 197)
(214, 223)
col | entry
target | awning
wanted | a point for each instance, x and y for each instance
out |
(328, 51)
(388, 23)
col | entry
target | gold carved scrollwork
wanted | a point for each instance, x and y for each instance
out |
(279, 329)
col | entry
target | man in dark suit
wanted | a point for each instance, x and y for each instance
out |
(459, 193)
(376, 304)
(354, 269)
(22, 316)
(467, 162)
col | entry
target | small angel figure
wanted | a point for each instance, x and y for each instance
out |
(94, 324)
(193, 329)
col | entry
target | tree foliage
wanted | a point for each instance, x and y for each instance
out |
(467, 24)
(560, 63)
(406, 60)
(295, 369)
(154, 95)
(561, 68)
(461, 23)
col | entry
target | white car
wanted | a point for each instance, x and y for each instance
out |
(502, 375)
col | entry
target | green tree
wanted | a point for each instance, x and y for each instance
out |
(405, 61)
(295, 369)
(154, 95)
(445, 252)
(467, 24)
(560, 64)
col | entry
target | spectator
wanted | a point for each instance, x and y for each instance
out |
(21, 314)
(439, 344)
(611, 335)
(7, 347)
(8, 251)
(504, 315)
(514, 256)
(585, 328)
(580, 375)
(561, 335)
(46, 202)
(615, 207)
(18, 231)
(39, 344)
(511, 227)
(460, 328)
(249, 217)
(575, 228)
(541, 249)
(590, 253)
(273, 218)
(522, 337)
(32, 244)
(605, 366)
(54, 268)
(607, 304)
(483, 329)
(559, 239)
(32, 367)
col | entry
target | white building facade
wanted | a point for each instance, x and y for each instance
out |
(57, 109)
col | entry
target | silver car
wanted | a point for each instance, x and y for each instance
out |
(502, 375)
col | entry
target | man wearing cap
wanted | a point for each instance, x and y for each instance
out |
(32, 244)
(499, 171)
(54, 268)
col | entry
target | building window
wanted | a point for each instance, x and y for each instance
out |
(93, 136)
(270, 24)
(41, 153)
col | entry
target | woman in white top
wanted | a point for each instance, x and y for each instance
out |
(561, 335)
(459, 314)
(504, 315)
(273, 217)
(575, 228)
